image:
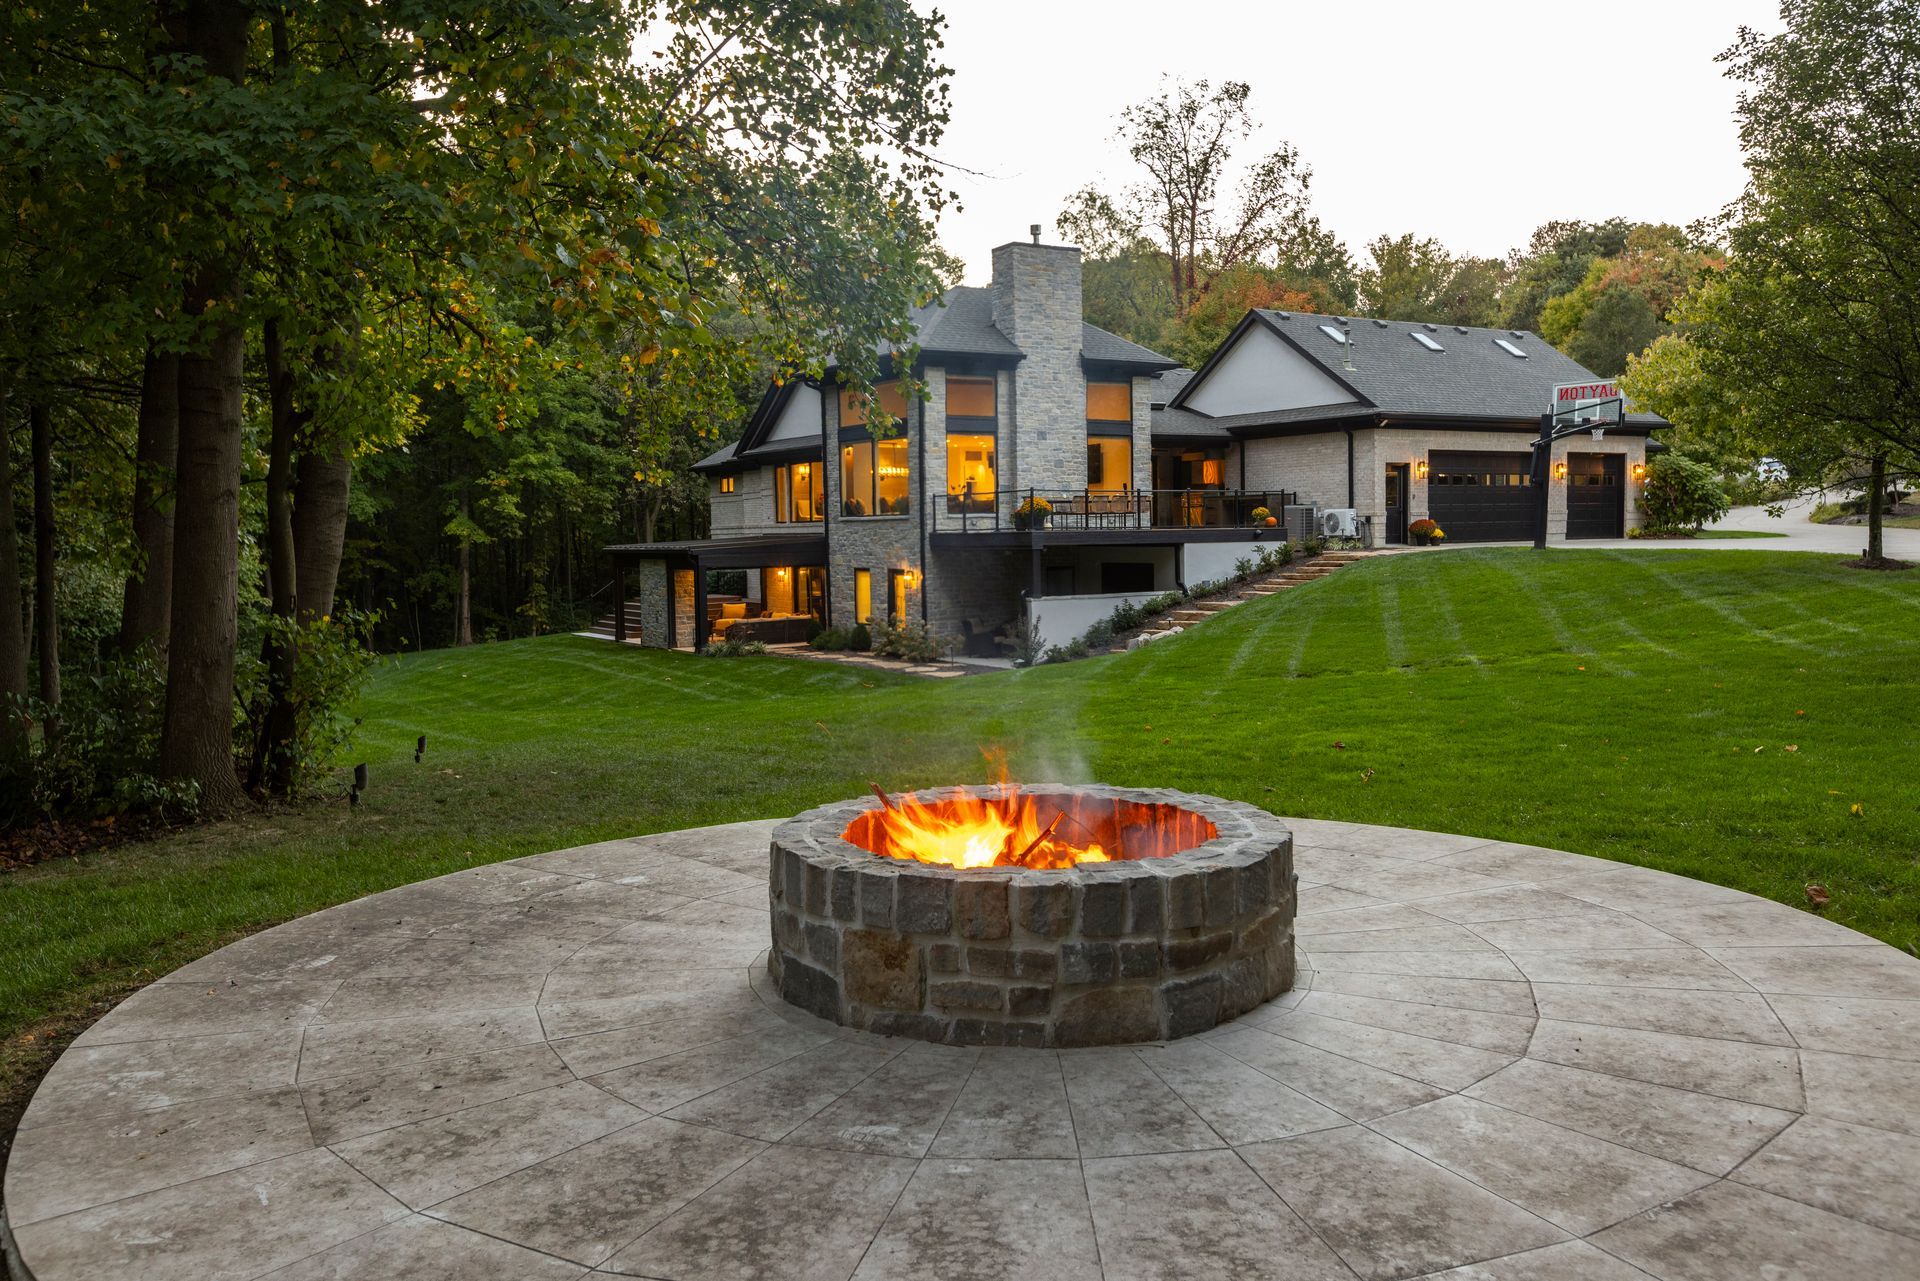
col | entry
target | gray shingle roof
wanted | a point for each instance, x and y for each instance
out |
(1170, 384)
(718, 458)
(1474, 377)
(960, 323)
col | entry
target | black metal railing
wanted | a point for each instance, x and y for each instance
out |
(1096, 509)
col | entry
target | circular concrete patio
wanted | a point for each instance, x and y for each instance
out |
(1507, 1061)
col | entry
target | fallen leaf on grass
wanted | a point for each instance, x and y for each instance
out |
(1366, 776)
(1858, 810)
(1760, 749)
(1791, 747)
(1818, 896)
(1339, 746)
(1165, 741)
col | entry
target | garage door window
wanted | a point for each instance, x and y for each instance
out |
(1487, 478)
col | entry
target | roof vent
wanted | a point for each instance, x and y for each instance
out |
(1033, 229)
(1432, 329)
(1459, 329)
(1381, 323)
(1509, 348)
(1284, 315)
(1518, 333)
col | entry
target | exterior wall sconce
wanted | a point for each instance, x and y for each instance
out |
(1559, 471)
(1639, 471)
(1420, 469)
(779, 573)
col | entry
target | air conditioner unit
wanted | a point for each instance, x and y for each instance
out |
(1340, 522)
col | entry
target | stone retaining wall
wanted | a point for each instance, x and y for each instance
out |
(1100, 954)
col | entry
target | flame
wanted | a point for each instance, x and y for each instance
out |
(997, 828)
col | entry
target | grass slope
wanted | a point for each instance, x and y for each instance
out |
(1717, 714)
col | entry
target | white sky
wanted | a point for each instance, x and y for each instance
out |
(1472, 121)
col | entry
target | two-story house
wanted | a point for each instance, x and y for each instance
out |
(1051, 470)
(1027, 471)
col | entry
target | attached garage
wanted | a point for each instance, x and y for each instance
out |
(1596, 496)
(1481, 497)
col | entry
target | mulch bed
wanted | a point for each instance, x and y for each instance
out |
(1885, 562)
(44, 841)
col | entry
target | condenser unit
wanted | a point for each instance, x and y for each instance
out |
(1340, 522)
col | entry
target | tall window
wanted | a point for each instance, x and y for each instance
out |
(896, 596)
(853, 406)
(797, 493)
(1109, 464)
(970, 473)
(873, 478)
(863, 596)
(970, 398)
(1109, 437)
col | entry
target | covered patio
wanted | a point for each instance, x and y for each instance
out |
(671, 586)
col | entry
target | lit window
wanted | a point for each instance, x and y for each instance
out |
(1337, 335)
(1509, 348)
(873, 478)
(863, 596)
(1109, 402)
(726, 484)
(970, 398)
(1109, 464)
(853, 406)
(1427, 342)
(797, 493)
(970, 473)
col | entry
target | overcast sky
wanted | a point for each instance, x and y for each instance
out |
(1468, 120)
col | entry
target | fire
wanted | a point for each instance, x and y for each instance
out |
(1005, 825)
(998, 828)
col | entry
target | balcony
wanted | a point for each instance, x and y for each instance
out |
(1127, 511)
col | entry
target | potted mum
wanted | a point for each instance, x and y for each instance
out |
(1260, 516)
(1425, 532)
(1032, 514)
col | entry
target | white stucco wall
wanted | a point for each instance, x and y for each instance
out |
(1210, 562)
(1062, 619)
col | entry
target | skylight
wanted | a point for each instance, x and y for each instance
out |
(1509, 348)
(1333, 333)
(1427, 342)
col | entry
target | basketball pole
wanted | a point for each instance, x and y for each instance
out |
(1543, 455)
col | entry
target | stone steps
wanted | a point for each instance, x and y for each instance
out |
(1273, 584)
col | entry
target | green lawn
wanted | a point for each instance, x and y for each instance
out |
(1718, 714)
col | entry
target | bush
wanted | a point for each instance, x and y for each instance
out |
(98, 763)
(831, 638)
(860, 638)
(1099, 636)
(1028, 649)
(909, 642)
(1680, 493)
(1314, 546)
(332, 657)
(736, 647)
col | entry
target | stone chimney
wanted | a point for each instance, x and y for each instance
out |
(1037, 305)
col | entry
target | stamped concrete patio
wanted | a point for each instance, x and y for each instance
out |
(1501, 1062)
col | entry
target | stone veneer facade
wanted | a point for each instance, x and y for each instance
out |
(1099, 954)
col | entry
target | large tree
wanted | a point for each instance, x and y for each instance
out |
(1815, 324)
(1175, 215)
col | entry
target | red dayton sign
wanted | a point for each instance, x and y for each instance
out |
(1579, 393)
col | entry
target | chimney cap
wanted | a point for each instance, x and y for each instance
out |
(1033, 229)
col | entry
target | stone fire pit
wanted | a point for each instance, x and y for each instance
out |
(1143, 948)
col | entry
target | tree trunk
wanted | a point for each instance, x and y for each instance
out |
(46, 607)
(320, 529)
(196, 737)
(272, 769)
(148, 601)
(463, 619)
(1877, 510)
(13, 629)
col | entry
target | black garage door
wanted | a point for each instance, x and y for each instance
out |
(1481, 497)
(1596, 495)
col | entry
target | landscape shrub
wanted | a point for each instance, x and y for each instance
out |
(860, 638)
(98, 763)
(831, 638)
(333, 657)
(1243, 568)
(1097, 637)
(1028, 649)
(1680, 493)
(736, 647)
(909, 642)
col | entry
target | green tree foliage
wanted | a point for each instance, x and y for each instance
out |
(1814, 327)
(1159, 246)
(1416, 279)
(1555, 261)
(1624, 301)
(305, 234)
(1681, 494)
